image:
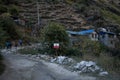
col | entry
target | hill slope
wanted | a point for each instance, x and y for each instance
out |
(74, 14)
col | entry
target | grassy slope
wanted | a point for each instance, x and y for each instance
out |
(109, 11)
(111, 16)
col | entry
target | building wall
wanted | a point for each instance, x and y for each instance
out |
(108, 40)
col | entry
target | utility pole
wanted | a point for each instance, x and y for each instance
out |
(38, 14)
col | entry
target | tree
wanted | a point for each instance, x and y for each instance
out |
(55, 33)
(3, 9)
(8, 26)
(3, 36)
(13, 10)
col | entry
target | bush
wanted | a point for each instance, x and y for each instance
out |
(2, 66)
(52, 1)
(111, 16)
(80, 7)
(72, 51)
(28, 51)
(111, 64)
(3, 36)
(55, 33)
(3, 9)
(13, 10)
(1, 57)
(8, 26)
(87, 46)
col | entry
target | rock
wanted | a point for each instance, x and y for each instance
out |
(62, 60)
(87, 66)
(37, 57)
(90, 63)
(97, 67)
(103, 73)
(53, 60)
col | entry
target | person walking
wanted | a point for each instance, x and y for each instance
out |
(7, 44)
(20, 42)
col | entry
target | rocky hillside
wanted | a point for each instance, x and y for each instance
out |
(73, 14)
(59, 12)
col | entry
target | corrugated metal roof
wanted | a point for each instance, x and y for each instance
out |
(84, 32)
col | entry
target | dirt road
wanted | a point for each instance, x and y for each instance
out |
(19, 67)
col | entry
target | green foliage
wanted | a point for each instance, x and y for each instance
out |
(13, 10)
(80, 7)
(2, 66)
(111, 16)
(3, 9)
(87, 46)
(28, 51)
(8, 25)
(3, 36)
(53, 1)
(111, 64)
(1, 57)
(85, 2)
(70, 1)
(55, 33)
(73, 51)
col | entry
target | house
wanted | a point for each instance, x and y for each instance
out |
(108, 38)
(91, 33)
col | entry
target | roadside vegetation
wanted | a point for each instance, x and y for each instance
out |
(111, 16)
(32, 51)
(83, 49)
(55, 33)
(95, 51)
(2, 66)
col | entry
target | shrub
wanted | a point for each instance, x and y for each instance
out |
(111, 16)
(53, 1)
(80, 7)
(1, 57)
(8, 26)
(111, 64)
(13, 10)
(3, 36)
(73, 51)
(55, 33)
(28, 51)
(88, 46)
(3, 9)
(2, 66)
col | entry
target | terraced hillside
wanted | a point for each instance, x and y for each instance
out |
(59, 12)
(74, 15)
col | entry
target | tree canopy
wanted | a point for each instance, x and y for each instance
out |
(55, 33)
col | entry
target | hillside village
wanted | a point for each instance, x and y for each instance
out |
(91, 33)
(67, 15)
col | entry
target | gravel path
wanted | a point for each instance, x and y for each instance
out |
(20, 67)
